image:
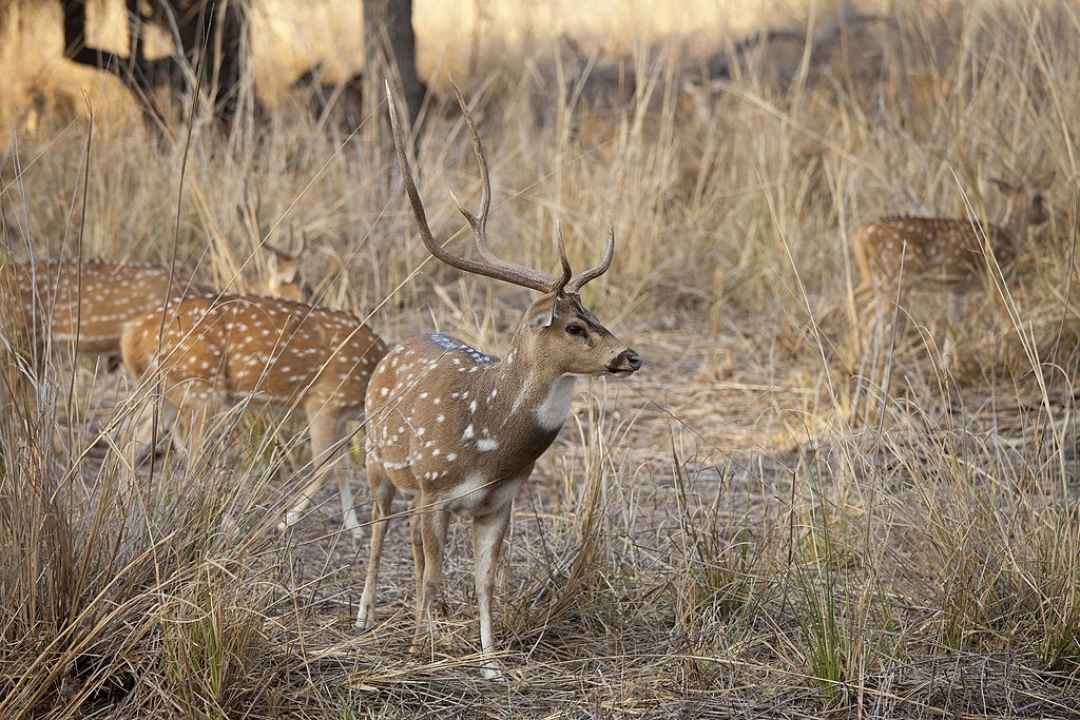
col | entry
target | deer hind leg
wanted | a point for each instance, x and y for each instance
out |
(326, 428)
(953, 311)
(489, 532)
(434, 521)
(382, 498)
(416, 544)
(194, 404)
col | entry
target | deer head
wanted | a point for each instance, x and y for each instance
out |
(1026, 205)
(557, 330)
(284, 279)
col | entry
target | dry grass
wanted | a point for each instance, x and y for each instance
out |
(764, 522)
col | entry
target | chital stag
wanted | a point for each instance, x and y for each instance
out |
(460, 430)
(945, 254)
(251, 348)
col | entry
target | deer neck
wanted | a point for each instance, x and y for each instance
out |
(526, 391)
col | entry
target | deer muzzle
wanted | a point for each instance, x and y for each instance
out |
(625, 363)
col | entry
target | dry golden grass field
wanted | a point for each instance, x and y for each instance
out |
(788, 512)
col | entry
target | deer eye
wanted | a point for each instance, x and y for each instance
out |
(577, 330)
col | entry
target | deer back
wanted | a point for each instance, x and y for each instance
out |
(250, 346)
(946, 250)
(91, 303)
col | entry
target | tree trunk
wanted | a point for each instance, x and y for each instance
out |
(390, 42)
(133, 71)
(226, 65)
(218, 27)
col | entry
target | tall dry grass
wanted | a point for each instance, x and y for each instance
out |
(765, 523)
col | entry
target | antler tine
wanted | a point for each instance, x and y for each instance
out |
(303, 244)
(478, 223)
(410, 186)
(274, 248)
(489, 265)
(581, 279)
(245, 210)
(567, 272)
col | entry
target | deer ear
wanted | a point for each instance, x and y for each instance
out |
(542, 315)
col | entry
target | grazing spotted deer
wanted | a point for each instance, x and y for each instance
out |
(945, 254)
(459, 429)
(224, 348)
(89, 304)
(51, 303)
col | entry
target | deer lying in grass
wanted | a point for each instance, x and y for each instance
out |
(945, 254)
(459, 429)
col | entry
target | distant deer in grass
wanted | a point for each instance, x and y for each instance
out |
(945, 254)
(460, 430)
(64, 302)
(87, 305)
(49, 304)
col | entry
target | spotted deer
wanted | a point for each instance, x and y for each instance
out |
(945, 254)
(460, 430)
(89, 304)
(248, 348)
(85, 305)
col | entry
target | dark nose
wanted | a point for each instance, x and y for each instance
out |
(629, 358)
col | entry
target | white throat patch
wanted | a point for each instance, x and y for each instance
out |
(552, 411)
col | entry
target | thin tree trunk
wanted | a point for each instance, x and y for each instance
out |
(134, 70)
(219, 28)
(390, 42)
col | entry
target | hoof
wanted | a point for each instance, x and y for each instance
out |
(291, 518)
(493, 672)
